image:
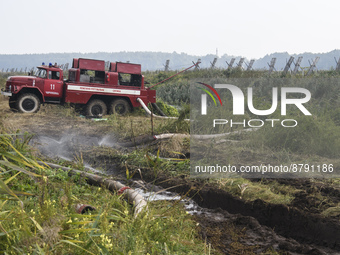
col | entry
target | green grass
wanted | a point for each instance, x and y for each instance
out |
(272, 192)
(37, 214)
(313, 136)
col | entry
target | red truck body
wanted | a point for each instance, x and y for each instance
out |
(88, 84)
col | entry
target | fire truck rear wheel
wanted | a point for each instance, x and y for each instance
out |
(28, 103)
(120, 107)
(95, 108)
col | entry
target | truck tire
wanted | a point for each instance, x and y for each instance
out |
(120, 107)
(28, 103)
(96, 108)
(12, 103)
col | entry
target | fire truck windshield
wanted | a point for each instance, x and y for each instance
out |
(41, 73)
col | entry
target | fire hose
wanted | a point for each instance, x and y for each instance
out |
(131, 195)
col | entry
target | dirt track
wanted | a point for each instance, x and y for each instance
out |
(230, 224)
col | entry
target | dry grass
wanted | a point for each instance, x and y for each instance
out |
(52, 119)
(332, 211)
(174, 147)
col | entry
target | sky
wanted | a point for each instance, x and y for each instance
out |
(245, 28)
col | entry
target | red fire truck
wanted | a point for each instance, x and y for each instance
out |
(88, 84)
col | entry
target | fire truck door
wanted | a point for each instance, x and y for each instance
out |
(53, 84)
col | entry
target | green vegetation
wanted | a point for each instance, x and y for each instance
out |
(168, 110)
(272, 192)
(313, 136)
(3, 78)
(38, 213)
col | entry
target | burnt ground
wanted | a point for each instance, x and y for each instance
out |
(240, 227)
(230, 224)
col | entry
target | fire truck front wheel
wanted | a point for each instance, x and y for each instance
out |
(120, 107)
(12, 103)
(95, 108)
(28, 103)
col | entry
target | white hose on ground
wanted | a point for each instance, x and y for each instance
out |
(167, 136)
(204, 137)
(154, 115)
(201, 137)
(131, 195)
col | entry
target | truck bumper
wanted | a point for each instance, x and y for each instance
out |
(5, 93)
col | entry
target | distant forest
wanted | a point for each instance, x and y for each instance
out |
(152, 61)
